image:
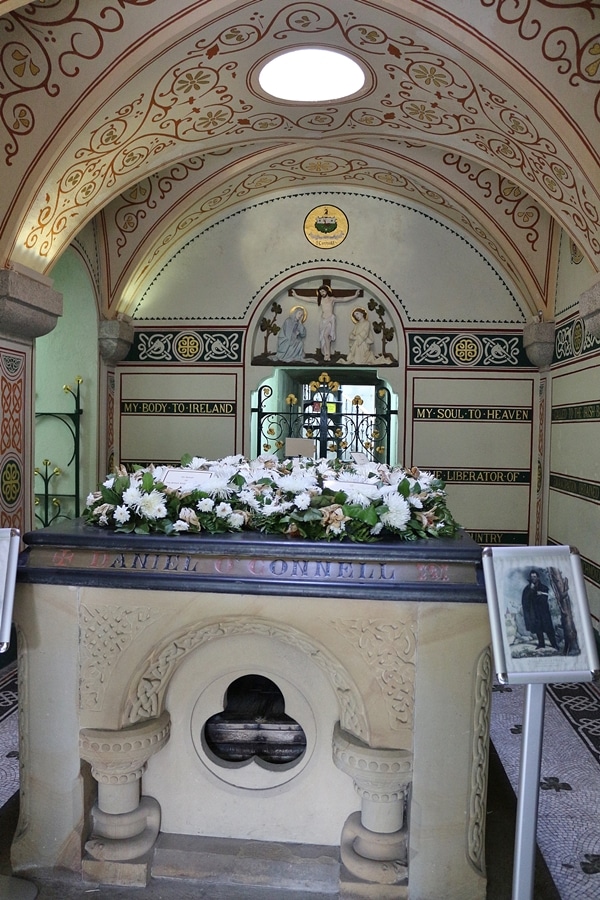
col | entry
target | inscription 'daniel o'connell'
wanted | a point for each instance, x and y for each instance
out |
(286, 569)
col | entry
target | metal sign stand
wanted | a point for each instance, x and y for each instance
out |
(505, 569)
(528, 795)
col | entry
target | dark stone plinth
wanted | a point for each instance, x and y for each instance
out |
(445, 570)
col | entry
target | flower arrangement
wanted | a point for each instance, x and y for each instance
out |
(315, 499)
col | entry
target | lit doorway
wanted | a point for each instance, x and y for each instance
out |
(345, 413)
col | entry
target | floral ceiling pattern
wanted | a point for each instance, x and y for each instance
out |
(149, 114)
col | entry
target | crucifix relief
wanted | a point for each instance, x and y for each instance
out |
(326, 298)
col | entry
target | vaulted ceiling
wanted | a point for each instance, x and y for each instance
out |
(144, 119)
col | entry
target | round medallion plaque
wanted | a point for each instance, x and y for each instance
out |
(326, 227)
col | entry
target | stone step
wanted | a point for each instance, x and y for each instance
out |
(301, 867)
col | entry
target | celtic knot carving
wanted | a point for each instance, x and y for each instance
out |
(430, 350)
(389, 650)
(501, 351)
(155, 346)
(479, 767)
(189, 346)
(106, 632)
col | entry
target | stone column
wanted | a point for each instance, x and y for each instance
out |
(115, 337)
(29, 307)
(124, 827)
(538, 341)
(374, 843)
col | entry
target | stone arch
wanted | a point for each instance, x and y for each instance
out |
(146, 692)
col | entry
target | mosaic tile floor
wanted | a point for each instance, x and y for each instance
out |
(9, 738)
(568, 821)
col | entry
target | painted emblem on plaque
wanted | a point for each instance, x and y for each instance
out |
(326, 227)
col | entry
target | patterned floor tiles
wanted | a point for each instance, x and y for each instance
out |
(569, 800)
(9, 739)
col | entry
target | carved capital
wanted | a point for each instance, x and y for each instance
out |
(385, 772)
(120, 757)
(381, 779)
(589, 309)
(29, 307)
(115, 337)
(538, 341)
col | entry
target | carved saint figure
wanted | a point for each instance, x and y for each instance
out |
(290, 340)
(361, 339)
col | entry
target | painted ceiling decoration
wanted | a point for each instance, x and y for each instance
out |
(147, 119)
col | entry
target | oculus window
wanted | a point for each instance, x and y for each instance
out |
(311, 75)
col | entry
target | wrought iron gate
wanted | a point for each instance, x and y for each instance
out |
(316, 416)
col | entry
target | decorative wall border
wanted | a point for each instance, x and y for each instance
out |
(473, 350)
(573, 341)
(575, 487)
(14, 375)
(188, 345)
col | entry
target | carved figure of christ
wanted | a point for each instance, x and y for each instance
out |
(326, 298)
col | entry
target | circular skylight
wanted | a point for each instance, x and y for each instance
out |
(311, 75)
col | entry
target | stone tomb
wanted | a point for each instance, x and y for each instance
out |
(365, 667)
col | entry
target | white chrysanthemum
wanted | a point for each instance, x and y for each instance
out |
(277, 507)
(223, 510)
(296, 482)
(220, 470)
(425, 479)
(302, 500)
(249, 498)
(398, 513)
(415, 500)
(121, 515)
(267, 460)
(357, 496)
(152, 505)
(197, 462)
(109, 481)
(367, 471)
(218, 486)
(132, 496)
(235, 520)
(323, 468)
(206, 504)
(180, 525)
(377, 528)
(233, 461)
